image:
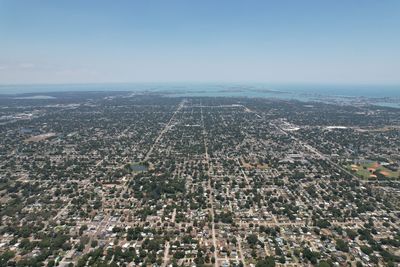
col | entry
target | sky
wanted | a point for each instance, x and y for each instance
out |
(282, 41)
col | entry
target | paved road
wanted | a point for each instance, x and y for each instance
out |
(166, 254)
(164, 130)
(210, 189)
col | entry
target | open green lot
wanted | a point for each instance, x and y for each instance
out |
(373, 170)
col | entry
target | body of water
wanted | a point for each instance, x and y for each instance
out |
(387, 95)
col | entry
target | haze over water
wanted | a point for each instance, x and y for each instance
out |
(384, 95)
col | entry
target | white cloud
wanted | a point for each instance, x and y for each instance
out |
(75, 72)
(26, 65)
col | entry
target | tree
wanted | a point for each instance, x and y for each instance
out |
(94, 243)
(5, 257)
(323, 264)
(310, 255)
(342, 245)
(82, 229)
(179, 255)
(252, 239)
(366, 249)
(351, 233)
(266, 262)
(213, 260)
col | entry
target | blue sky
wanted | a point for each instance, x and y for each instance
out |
(312, 41)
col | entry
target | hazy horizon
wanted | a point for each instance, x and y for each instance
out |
(357, 84)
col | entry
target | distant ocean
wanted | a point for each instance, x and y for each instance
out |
(386, 95)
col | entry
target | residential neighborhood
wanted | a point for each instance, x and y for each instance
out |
(127, 179)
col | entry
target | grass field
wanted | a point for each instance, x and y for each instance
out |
(373, 170)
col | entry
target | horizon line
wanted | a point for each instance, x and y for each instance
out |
(204, 82)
